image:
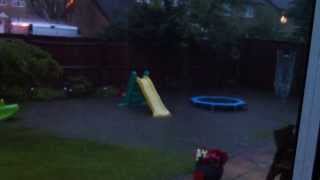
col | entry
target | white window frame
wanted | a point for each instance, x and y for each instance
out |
(3, 2)
(144, 1)
(18, 3)
(227, 9)
(249, 11)
(175, 3)
(310, 118)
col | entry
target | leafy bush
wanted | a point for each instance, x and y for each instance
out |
(107, 91)
(23, 66)
(15, 93)
(46, 94)
(78, 86)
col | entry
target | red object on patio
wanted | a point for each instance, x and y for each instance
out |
(218, 155)
(211, 165)
(198, 175)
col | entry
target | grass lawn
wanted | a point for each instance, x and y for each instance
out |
(30, 155)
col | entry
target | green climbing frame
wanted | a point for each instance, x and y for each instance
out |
(133, 96)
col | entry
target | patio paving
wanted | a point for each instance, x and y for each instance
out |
(250, 165)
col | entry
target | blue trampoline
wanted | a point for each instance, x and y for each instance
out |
(219, 103)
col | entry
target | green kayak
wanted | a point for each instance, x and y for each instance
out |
(8, 111)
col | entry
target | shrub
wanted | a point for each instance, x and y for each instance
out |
(26, 65)
(23, 66)
(14, 93)
(46, 94)
(78, 86)
(107, 91)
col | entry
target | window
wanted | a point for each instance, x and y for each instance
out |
(176, 3)
(3, 2)
(18, 3)
(227, 10)
(232, 76)
(143, 1)
(249, 11)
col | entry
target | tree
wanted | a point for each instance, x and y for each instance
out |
(157, 23)
(23, 66)
(174, 26)
(301, 12)
(267, 25)
(176, 23)
(222, 30)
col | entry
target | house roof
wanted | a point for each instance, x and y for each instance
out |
(258, 1)
(112, 8)
(3, 15)
(279, 4)
(282, 4)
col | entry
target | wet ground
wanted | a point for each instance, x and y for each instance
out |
(241, 134)
(103, 120)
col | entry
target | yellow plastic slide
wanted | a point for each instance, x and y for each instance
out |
(152, 97)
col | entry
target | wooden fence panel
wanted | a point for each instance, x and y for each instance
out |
(110, 63)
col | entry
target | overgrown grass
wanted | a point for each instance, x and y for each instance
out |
(30, 155)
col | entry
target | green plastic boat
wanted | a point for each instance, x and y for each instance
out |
(8, 111)
(1, 102)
